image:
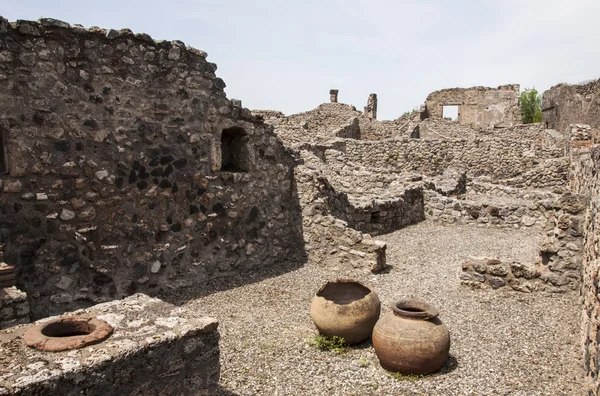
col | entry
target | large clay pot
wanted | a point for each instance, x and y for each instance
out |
(411, 339)
(345, 308)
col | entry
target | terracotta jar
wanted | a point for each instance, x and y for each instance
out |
(411, 339)
(345, 308)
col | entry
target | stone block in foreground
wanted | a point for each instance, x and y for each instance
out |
(155, 349)
(14, 308)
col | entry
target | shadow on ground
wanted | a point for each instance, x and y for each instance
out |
(182, 296)
(224, 392)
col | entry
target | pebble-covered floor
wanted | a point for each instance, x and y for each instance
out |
(503, 342)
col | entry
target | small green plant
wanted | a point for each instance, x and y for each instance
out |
(335, 344)
(406, 377)
(409, 113)
(374, 385)
(363, 362)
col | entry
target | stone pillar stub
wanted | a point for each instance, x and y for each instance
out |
(371, 107)
(333, 95)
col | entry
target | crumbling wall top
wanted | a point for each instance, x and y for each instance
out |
(477, 89)
(482, 107)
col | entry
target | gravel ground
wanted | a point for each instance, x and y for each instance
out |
(503, 342)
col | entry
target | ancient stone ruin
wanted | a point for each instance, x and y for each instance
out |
(477, 106)
(127, 175)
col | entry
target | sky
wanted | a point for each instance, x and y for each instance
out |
(286, 55)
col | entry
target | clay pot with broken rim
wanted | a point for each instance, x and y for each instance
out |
(345, 308)
(65, 333)
(411, 339)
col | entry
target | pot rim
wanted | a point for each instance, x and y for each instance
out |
(344, 280)
(415, 309)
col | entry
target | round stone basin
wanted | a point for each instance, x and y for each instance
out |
(71, 332)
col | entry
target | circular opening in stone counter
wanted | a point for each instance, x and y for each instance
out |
(68, 329)
(343, 291)
(71, 332)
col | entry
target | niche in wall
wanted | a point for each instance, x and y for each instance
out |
(235, 150)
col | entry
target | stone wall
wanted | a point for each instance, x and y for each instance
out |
(14, 308)
(501, 159)
(586, 180)
(331, 241)
(558, 267)
(532, 132)
(566, 104)
(480, 272)
(479, 106)
(439, 128)
(547, 173)
(369, 200)
(155, 349)
(511, 214)
(327, 121)
(372, 213)
(378, 130)
(129, 169)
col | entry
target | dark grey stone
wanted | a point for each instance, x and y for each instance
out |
(50, 22)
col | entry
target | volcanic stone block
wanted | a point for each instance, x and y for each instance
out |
(14, 308)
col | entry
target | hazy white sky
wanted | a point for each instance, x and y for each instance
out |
(286, 55)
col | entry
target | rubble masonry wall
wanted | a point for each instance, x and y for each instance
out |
(498, 158)
(129, 170)
(566, 104)
(586, 177)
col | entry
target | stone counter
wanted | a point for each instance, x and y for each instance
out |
(155, 349)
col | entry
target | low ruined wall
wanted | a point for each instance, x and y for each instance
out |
(403, 126)
(327, 121)
(438, 128)
(129, 170)
(329, 239)
(547, 173)
(586, 177)
(501, 159)
(479, 106)
(532, 132)
(14, 308)
(559, 217)
(370, 202)
(381, 216)
(480, 186)
(450, 210)
(331, 242)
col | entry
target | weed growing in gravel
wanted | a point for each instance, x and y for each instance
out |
(335, 344)
(363, 362)
(406, 377)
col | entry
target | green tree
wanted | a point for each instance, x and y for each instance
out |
(531, 106)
